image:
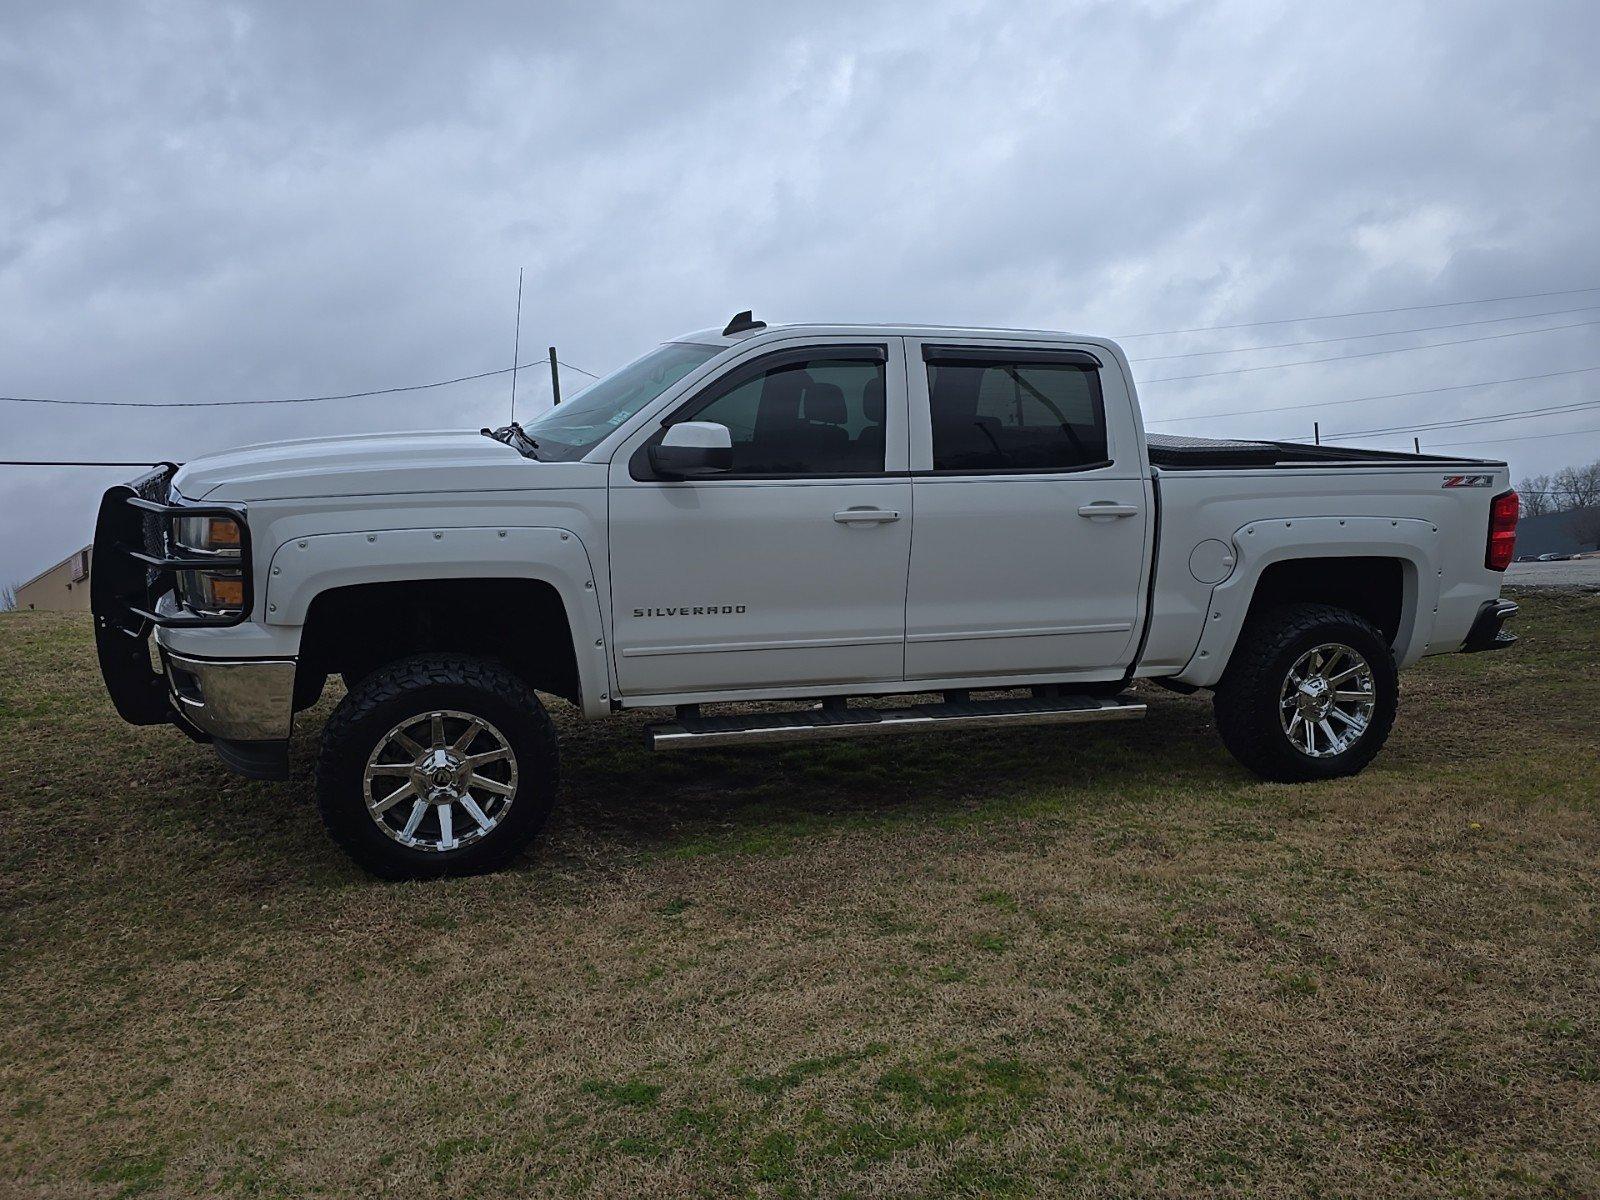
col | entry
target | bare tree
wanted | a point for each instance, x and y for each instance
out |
(8, 598)
(1535, 493)
(1577, 487)
(1562, 483)
(1587, 489)
(1585, 526)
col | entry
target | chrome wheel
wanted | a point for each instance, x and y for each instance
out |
(440, 780)
(1327, 700)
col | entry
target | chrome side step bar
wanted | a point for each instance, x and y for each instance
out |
(838, 721)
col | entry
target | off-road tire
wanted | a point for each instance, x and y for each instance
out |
(1247, 698)
(421, 684)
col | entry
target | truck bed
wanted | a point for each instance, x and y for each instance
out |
(1172, 452)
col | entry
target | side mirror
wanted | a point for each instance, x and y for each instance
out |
(693, 450)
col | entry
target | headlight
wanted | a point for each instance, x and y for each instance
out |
(208, 534)
(214, 593)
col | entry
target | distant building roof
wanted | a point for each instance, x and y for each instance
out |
(60, 562)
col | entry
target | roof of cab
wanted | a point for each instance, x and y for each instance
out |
(765, 332)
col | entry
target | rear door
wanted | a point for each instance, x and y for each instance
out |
(790, 570)
(1032, 512)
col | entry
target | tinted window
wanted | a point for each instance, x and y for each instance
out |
(1021, 415)
(820, 417)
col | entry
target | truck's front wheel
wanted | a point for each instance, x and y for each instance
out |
(1310, 693)
(436, 765)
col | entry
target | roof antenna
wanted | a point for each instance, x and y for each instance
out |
(743, 322)
(516, 348)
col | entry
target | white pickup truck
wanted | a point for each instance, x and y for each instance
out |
(831, 516)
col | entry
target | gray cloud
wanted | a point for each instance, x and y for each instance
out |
(229, 201)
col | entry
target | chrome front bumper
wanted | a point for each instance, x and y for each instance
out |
(240, 701)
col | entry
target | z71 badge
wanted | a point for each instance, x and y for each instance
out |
(1468, 481)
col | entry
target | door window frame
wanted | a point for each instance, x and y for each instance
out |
(887, 351)
(1111, 389)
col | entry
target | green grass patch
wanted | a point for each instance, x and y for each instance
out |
(1053, 962)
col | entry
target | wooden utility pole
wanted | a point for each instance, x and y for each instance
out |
(555, 378)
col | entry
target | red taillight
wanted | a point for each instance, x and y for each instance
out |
(1503, 510)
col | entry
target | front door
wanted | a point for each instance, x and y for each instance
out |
(1032, 514)
(790, 570)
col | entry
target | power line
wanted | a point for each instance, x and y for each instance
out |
(1306, 362)
(1356, 337)
(1482, 420)
(415, 387)
(1454, 387)
(1370, 312)
(1529, 437)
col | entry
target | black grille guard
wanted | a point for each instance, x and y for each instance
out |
(132, 571)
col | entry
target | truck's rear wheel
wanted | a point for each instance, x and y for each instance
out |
(436, 765)
(1310, 693)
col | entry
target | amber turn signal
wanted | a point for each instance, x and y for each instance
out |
(222, 531)
(227, 593)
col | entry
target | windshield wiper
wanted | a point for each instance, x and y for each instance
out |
(513, 436)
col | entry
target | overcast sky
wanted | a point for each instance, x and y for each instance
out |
(237, 201)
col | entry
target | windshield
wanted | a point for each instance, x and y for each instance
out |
(573, 428)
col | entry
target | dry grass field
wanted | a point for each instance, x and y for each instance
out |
(1059, 962)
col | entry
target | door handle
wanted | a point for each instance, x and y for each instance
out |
(1106, 508)
(866, 516)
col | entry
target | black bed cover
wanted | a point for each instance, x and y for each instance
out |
(1176, 453)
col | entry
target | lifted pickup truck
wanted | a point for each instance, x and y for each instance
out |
(829, 515)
